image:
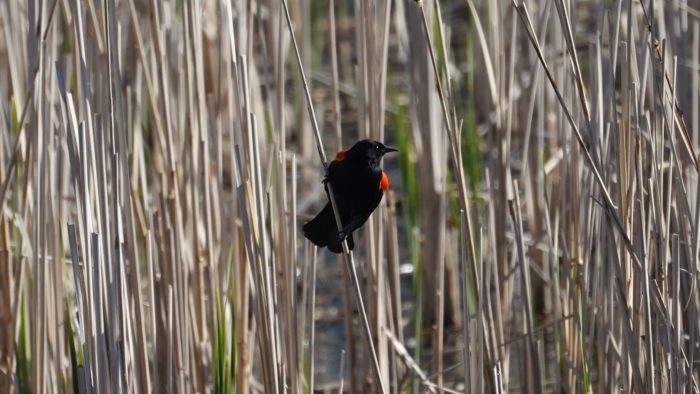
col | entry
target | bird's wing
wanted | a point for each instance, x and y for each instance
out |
(332, 169)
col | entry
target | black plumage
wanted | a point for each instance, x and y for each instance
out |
(358, 186)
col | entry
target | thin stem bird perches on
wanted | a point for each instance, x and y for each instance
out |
(347, 253)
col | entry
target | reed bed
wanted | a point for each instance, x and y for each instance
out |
(157, 160)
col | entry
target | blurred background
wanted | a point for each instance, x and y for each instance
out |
(158, 158)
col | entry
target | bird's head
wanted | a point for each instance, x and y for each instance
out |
(370, 151)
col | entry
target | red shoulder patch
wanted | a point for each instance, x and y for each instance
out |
(384, 182)
(340, 155)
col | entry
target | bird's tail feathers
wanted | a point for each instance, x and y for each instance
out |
(317, 229)
(322, 231)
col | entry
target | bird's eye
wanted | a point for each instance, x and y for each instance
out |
(378, 147)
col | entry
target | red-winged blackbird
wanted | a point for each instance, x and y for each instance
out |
(358, 186)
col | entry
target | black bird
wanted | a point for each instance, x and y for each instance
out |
(358, 186)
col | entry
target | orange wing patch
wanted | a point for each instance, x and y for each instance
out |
(340, 155)
(384, 182)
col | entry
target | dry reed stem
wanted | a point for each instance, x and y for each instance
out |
(349, 262)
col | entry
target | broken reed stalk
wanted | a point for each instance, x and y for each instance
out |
(401, 351)
(347, 253)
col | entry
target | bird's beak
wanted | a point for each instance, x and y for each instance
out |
(388, 149)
